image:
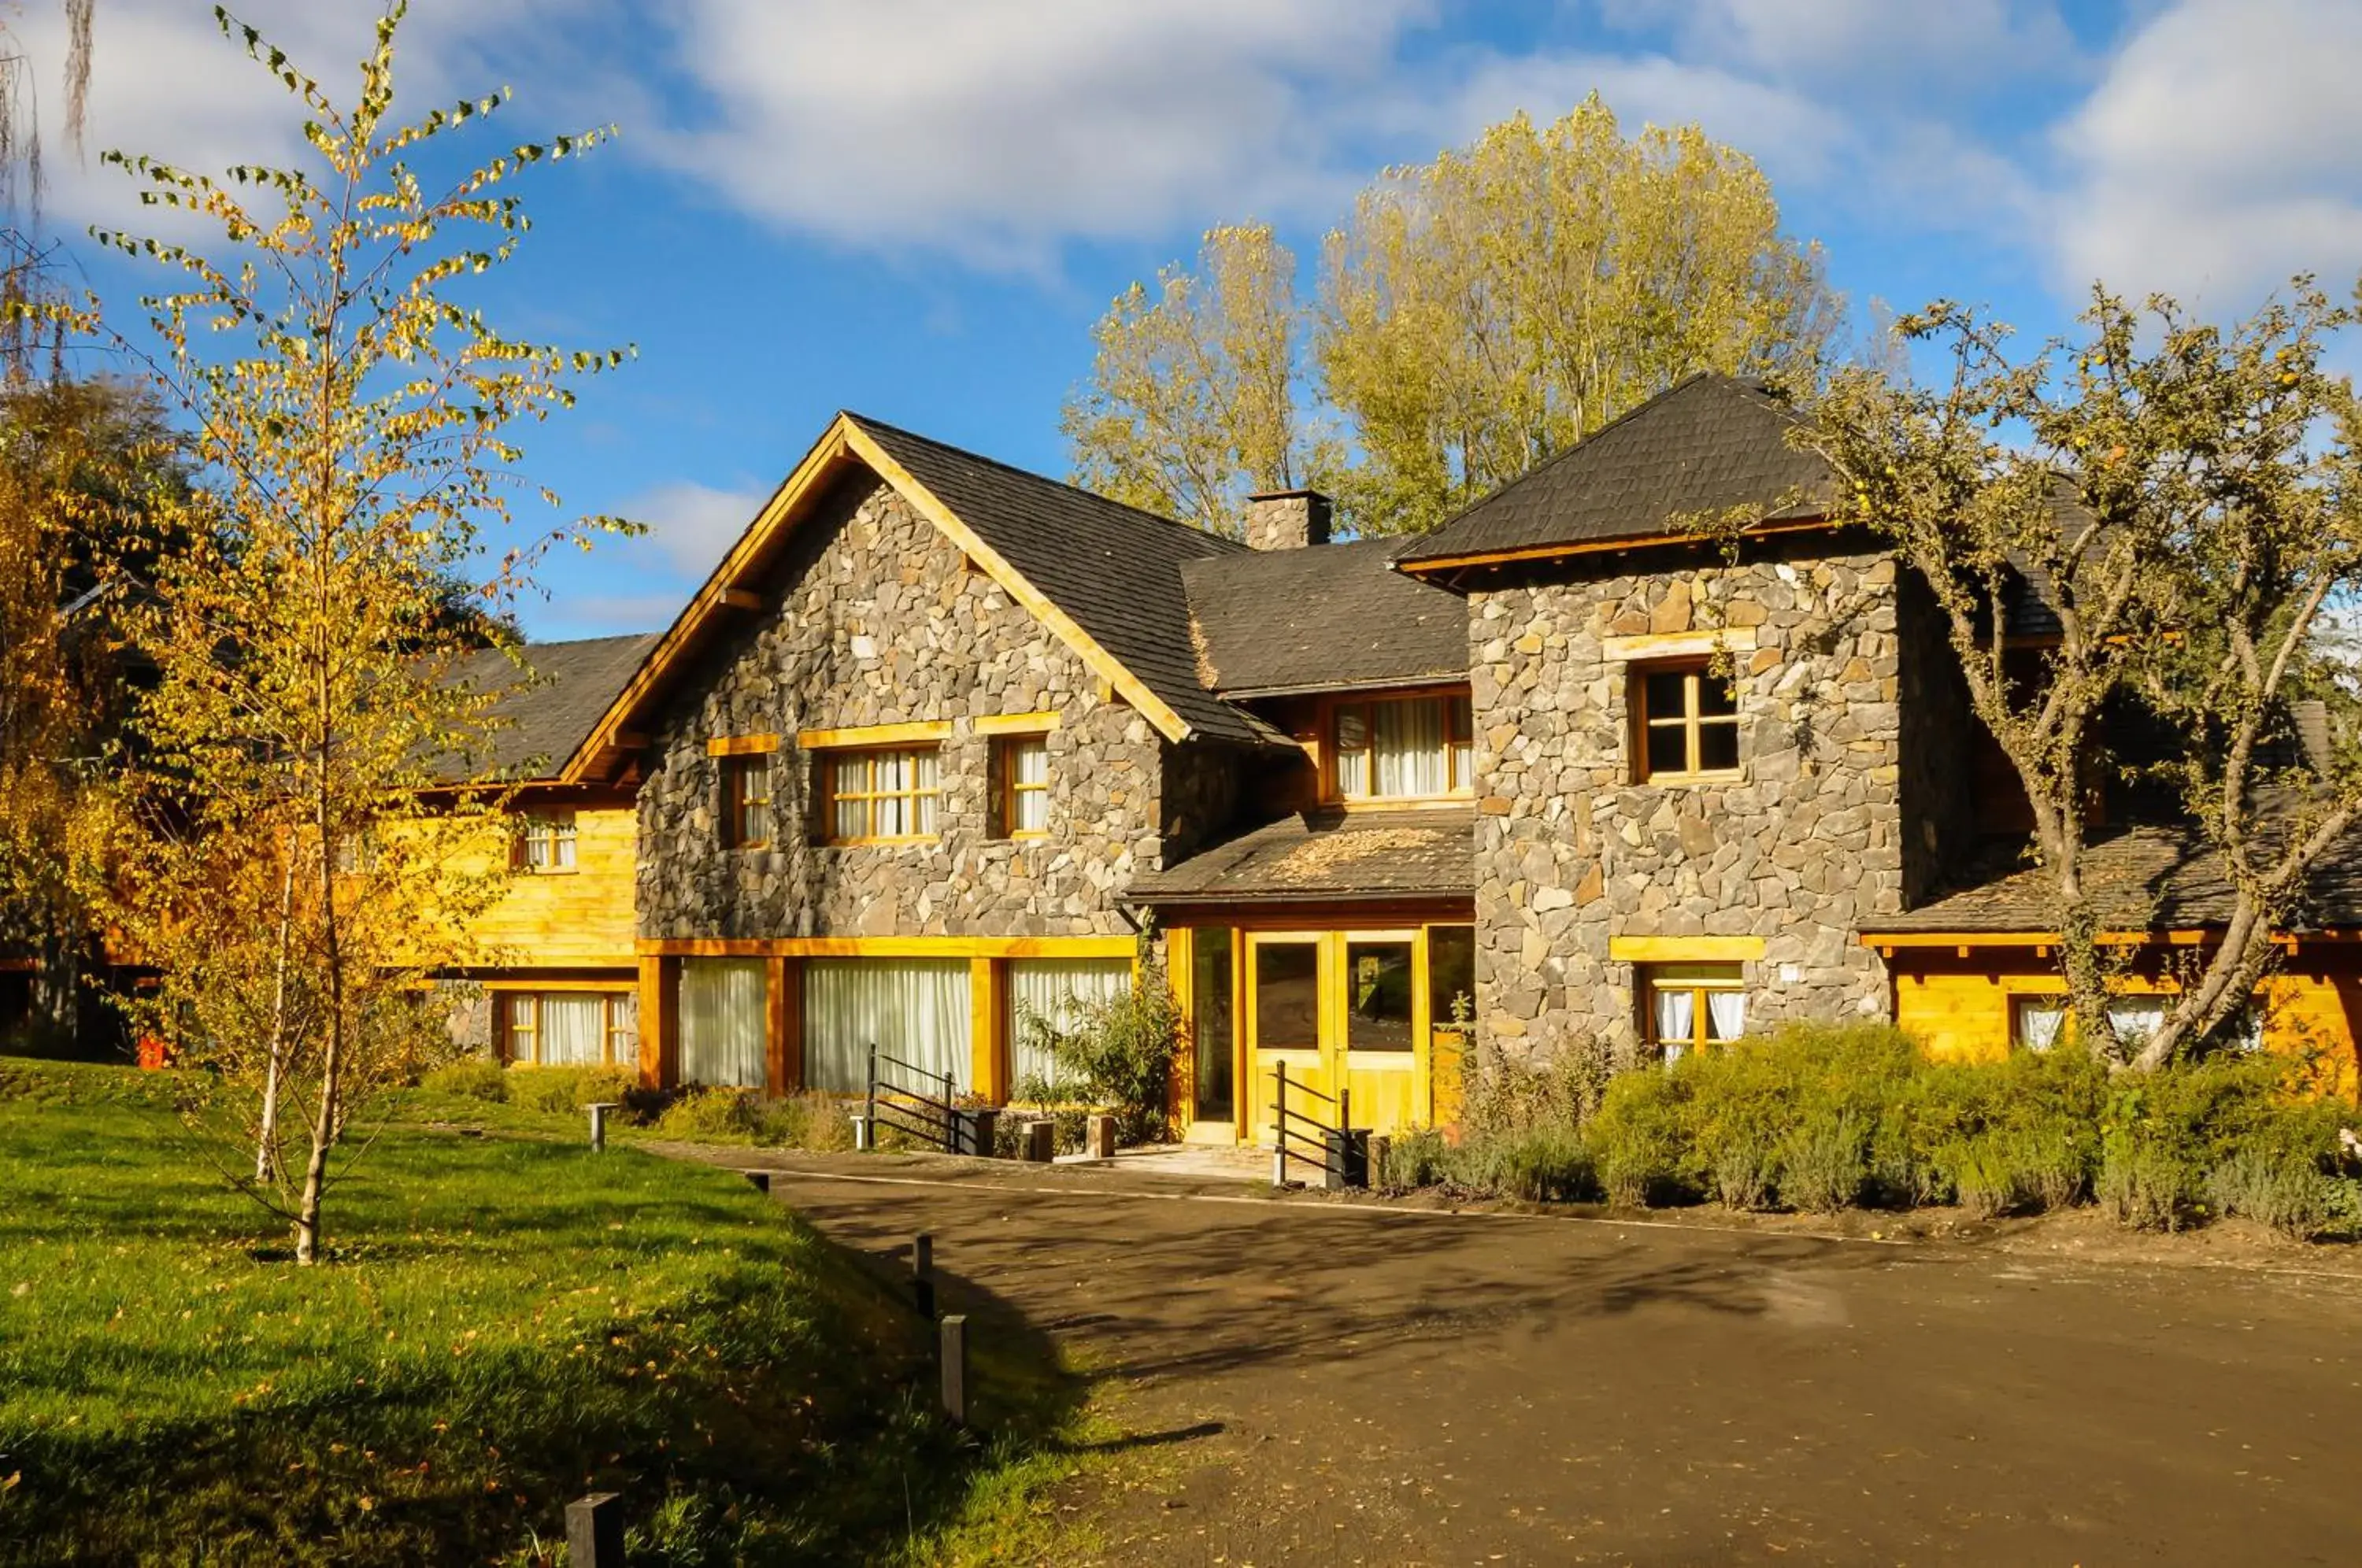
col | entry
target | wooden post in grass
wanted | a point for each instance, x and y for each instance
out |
(954, 1359)
(594, 1531)
(599, 1125)
(923, 1274)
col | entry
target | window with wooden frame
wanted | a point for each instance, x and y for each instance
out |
(1690, 1007)
(1684, 722)
(569, 1029)
(1020, 781)
(886, 795)
(747, 796)
(543, 842)
(1401, 748)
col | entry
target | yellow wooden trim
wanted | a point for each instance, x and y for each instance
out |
(987, 1043)
(1017, 724)
(1891, 940)
(1684, 949)
(1592, 547)
(863, 736)
(890, 947)
(741, 746)
(675, 644)
(625, 983)
(740, 598)
(1680, 645)
(1101, 663)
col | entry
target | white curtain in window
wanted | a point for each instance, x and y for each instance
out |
(624, 1015)
(722, 1023)
(1726, 1014)
(573, 1029)
(2136, 1018)
(849, 775)
(915, 1008)
(1058, 990)
(2039, 1024)
(1029, 766)
(1406, 743)
(1676, 1021)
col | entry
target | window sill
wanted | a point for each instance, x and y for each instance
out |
(879, 843)
(1403, 802)
(1693, 780)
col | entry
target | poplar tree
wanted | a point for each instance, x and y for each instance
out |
(350, 414)
(1476, 315)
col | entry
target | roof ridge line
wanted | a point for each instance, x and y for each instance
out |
(974, 456)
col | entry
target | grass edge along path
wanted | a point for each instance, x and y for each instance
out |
(506, 1323)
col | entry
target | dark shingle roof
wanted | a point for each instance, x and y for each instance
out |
(1114, 568)
(1329, 855)
(2150, 877)
(1710, 443)
(1329, 615)
(548, 705)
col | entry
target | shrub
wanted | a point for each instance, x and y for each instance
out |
(1641, 1138)
(563, 1091)
(477, 1077)
(1502, 1096)
(713, 1116)
(1415, 1159)
(818, 1122)
(1824, 1162)
(1118, 1054)
(2144, 1186)
(1544, 1163)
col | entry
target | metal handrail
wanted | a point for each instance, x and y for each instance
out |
(1285, 1135)
(924, 1117)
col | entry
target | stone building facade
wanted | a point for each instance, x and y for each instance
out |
(1573, 850)
(878, 619)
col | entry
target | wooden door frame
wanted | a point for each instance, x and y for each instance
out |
(1422, 1090)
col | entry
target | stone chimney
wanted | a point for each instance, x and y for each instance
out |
(1287, 519)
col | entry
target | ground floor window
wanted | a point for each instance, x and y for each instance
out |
(723, 1022)
(1211, 1024)
(1688, 1007)
(571, 1028)
(2039, 1022)
(2036, 1023)
(1377, 995)
(1451, 976)
(914, 1009)
(1060, 992)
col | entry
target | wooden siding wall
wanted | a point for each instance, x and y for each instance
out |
(574, 919)
(1959, 1006)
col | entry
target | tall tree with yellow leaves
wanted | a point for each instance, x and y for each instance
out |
(1476, 315)
(350, 414)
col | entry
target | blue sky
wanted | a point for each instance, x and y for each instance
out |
(917, 208)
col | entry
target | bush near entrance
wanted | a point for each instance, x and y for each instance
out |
(510, 1321)
(1820, 1118)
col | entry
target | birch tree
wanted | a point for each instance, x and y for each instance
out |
(2186, 496)
(351, 413)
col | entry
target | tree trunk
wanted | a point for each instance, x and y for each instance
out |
(266, 1142)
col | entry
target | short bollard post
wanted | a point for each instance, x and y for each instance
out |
(922, 1273)
(594, 1531)
(599, 1110)
(1098, 1137)
(1040, 1142)
(759, 1180)
(865, 1136)
(955, 1358)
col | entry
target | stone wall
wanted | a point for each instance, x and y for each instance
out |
(875, 618)
(1571, 851)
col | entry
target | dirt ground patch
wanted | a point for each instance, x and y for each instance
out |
(1311, 1383)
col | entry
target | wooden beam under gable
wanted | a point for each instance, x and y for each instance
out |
(1119, 681)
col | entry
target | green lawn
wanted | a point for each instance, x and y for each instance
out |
(508, 1321)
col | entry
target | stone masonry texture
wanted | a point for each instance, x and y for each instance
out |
(1571, 850)
(874, 617)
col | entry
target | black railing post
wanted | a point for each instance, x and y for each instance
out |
(1279, 1126)
(869, 1124)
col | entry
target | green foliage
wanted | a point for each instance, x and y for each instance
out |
(1818, 1117)
(817, 1123)
(512, 1322)
(475, 1077)
(1118, 1054)
(565, 1090)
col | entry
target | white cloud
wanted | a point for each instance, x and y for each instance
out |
(1876, 49)
(693, 525)
(997, 129)
(2217, 155)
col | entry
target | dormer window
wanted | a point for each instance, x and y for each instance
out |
(1402, 748)
(544, 842)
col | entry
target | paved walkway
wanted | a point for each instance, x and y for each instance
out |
(1315, 1384)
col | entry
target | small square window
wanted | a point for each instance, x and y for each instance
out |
(1690, 1007)
(543, 841)
(886, 795)
(1684, 722)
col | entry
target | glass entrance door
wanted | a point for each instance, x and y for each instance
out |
(1375, 1049)
(1285, 1021)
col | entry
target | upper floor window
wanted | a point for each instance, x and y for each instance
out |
(748, 795)
(1021, 773)
(884, 794)
(1402, 748)
(543, 841)
(1684, 722)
